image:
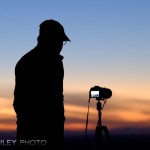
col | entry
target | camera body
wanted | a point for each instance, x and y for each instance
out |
(100, 93)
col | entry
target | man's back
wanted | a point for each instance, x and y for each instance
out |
(39, 81)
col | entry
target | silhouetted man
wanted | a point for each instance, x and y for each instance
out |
(38, 94)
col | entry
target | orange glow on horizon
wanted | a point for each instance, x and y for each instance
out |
(7, 115)
(76, 115)
(7, 127)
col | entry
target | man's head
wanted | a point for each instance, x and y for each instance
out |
(52, 34)
(53, 30)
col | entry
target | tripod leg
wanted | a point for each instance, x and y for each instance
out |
(108, 136)
(98, 138)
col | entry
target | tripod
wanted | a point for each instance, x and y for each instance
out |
(98, 143)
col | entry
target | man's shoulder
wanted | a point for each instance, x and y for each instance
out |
(26, 58)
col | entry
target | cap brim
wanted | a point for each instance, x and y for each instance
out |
(66, 38)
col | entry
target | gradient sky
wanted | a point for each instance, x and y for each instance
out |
(110, 47)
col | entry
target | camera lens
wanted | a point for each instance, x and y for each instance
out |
(106, 93)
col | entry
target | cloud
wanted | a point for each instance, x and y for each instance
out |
(7, 120)
(119, 112)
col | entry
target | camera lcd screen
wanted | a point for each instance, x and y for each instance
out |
(94, 94)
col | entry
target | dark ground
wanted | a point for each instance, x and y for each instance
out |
(120, 142)
(76, 141)
(122, 139)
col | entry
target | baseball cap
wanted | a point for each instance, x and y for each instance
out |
(53, 27)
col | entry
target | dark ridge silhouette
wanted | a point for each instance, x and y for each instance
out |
(123, 139)
(38, 94)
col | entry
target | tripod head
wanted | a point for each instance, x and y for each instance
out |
(99, 105)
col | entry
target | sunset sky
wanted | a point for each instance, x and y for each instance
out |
(110, 47)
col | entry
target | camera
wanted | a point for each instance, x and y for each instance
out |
(100, 93)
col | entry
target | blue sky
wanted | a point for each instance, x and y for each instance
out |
(109, 45)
